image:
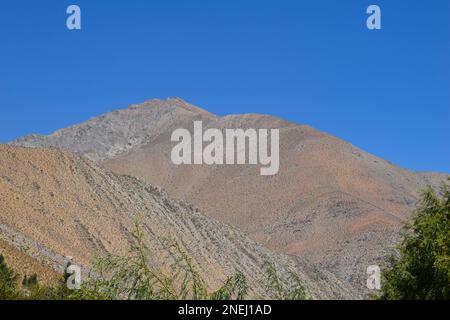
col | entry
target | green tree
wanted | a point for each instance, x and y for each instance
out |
(422, 268)
(135, 277)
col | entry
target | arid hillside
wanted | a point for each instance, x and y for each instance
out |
(331, 203)
(55, 206)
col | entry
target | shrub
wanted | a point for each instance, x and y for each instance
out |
(8, 281)
(422, 268)
(30, 281)
(289, 288)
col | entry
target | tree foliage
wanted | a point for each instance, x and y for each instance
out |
(422, 268)
(8, 281)
(289, 288)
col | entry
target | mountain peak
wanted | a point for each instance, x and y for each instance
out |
(173, 103)
(117, 132)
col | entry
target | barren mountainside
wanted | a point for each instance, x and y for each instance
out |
(331, 203)
(55, 206)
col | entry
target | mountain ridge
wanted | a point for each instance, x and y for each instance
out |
(332, 203)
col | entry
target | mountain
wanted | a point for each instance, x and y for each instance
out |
(331, 204)
(57, 207)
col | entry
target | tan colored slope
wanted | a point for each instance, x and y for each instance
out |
(23, 264)
(55, 205)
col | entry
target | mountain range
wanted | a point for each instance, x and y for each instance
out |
(330, 212)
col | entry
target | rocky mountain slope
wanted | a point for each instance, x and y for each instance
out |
(331, 203)
(55, 206)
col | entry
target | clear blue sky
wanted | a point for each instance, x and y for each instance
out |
(312, 62)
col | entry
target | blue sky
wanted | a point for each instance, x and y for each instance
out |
(312, 62)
